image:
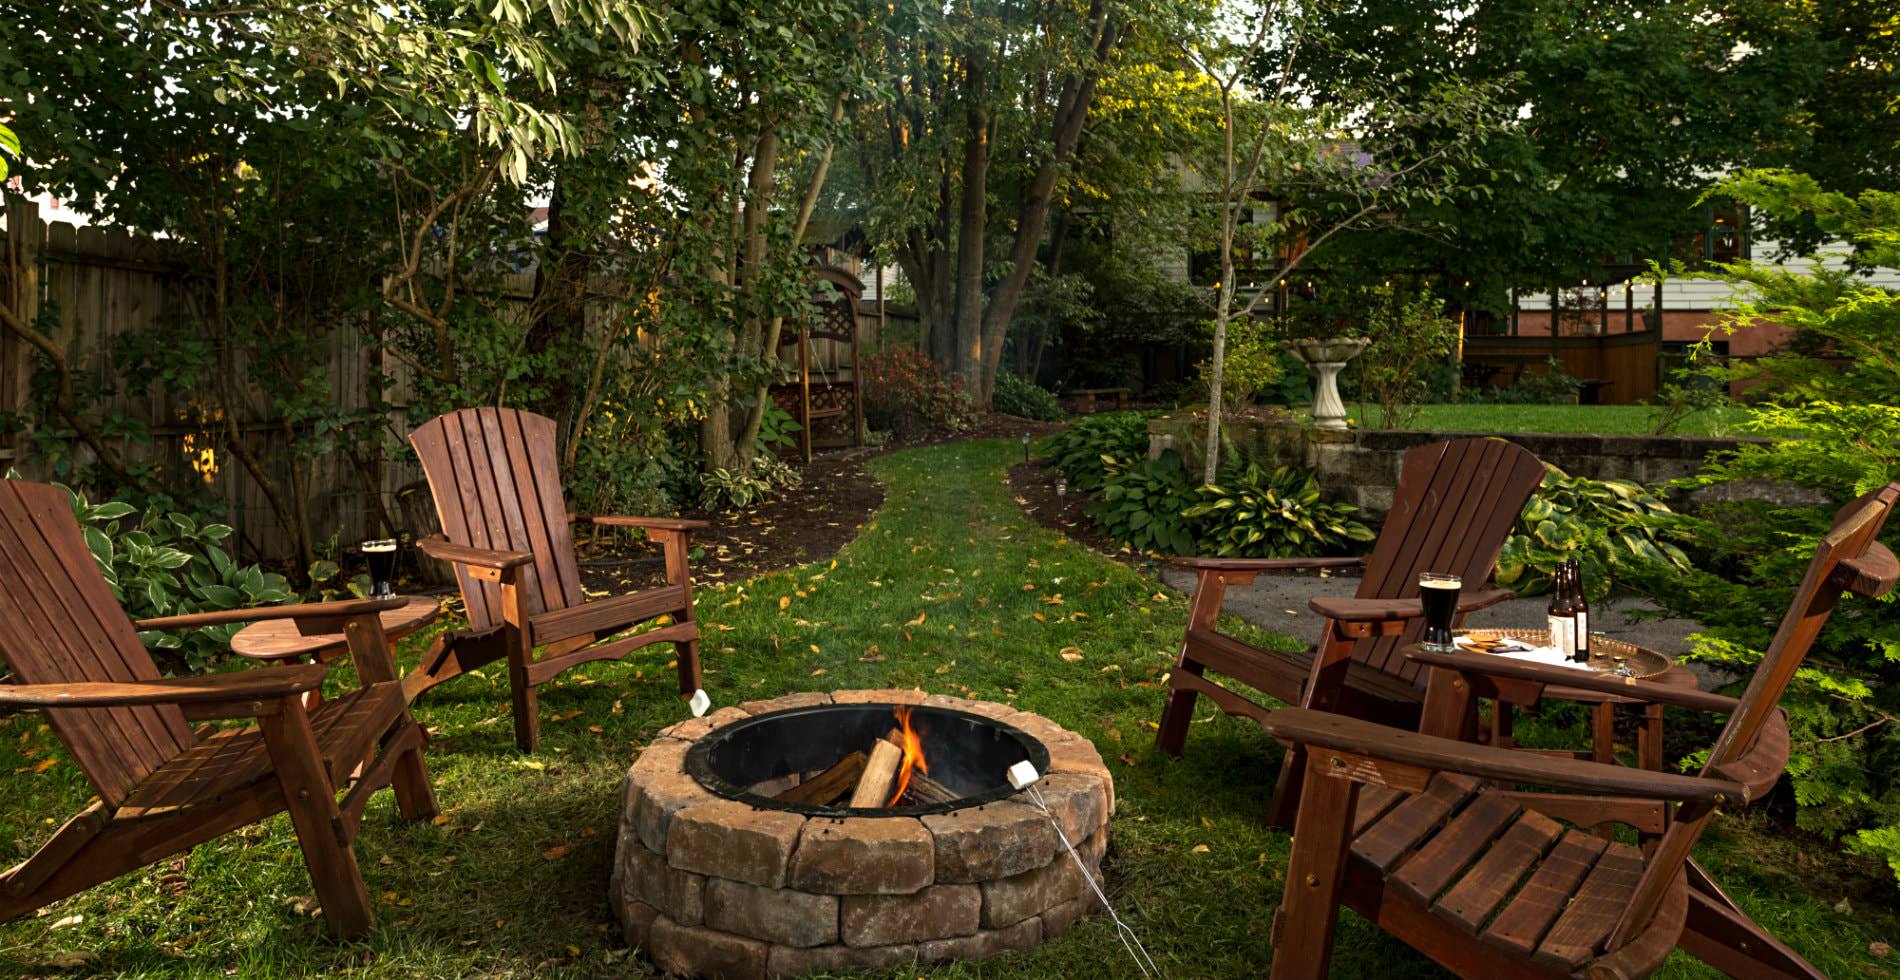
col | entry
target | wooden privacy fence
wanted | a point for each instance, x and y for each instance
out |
(89, 290)
(92, 290)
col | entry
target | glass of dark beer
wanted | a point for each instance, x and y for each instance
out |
(381, 556)
(1438, 595)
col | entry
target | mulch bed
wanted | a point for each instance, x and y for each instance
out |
(806, 524)
(1034, 484)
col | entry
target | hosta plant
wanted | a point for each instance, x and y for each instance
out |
(1255, 512)
(166, 564)
(1143, 504)
(1614, 528)
(1084, 452)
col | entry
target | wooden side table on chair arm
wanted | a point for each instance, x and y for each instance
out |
(281, 641)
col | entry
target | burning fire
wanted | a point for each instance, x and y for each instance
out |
(913, 746)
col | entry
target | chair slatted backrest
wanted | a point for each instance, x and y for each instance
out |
(497, 485)
(60, 624)
(1851, 540)
(1455, 504)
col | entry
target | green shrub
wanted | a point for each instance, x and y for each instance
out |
(1250, 364)
(1017, 396)
(1255, 512)
(1143, 504)
(1831, 404)
(1617, 531)
(1554, 386)
(164, 564)
(906, 395)
(1412, 339)
(1084, 451)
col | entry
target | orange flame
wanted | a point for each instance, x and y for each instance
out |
(913, 746)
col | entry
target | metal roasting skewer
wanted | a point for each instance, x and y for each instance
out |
(1023, 776)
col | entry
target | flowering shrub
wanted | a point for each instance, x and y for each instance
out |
(906, 395)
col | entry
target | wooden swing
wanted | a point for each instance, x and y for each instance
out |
(815, 392)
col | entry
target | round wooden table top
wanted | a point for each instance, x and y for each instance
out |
(278, 639)
(1676, 676)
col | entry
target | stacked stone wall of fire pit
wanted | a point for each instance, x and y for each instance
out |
(713, 887)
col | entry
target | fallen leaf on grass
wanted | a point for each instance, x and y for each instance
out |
(557, 852)
(70, 961)
(1879, 948)
(919, 621)
(1128, 760)
(1071, 654)
(71, 920)
(1200, 849)
(784, 601)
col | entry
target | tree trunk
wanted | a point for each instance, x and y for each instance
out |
(1072, 110)
(560, 300)
(969, 351)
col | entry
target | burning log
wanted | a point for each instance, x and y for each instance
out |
(925, 791)
(880, 771)
(821, 789)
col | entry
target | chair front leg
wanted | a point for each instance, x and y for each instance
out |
(1324, 683)
(679, 574)
(1210, 587)
(519, 640)
(1309, 911)
(321, 832)
(375, 664)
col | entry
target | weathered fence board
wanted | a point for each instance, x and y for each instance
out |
(99, 287)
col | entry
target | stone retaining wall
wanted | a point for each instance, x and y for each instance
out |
(1361, 466)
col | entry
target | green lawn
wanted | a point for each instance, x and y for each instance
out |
(1595, 419)
(951, 589)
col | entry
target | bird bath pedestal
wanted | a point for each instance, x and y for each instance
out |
(1327, 358)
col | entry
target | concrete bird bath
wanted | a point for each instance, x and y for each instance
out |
(1326, 358)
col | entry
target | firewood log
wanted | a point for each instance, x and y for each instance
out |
(880, 771)
(821, 789)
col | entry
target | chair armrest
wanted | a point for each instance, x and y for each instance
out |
(305, 610)
(1266, 564)
(244, 685)
(655, 523)
(1348, 610)
(1325, 730)
(1871, 575)
(442, 549)
(1626, 687)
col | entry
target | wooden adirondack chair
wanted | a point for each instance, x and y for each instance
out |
(1419, 834)
(508, 534)
(1455, 504)
(163, 787)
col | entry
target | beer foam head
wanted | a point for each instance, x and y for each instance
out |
(387, 544)
(1439, 580)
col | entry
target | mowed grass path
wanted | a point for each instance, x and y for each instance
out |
(951, 589)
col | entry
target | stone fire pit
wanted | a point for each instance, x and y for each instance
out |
(714, 879)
